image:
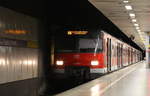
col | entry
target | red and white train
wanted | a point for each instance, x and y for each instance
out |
(81, 53)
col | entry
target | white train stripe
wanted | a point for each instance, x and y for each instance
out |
(98, 70)
(59, 70)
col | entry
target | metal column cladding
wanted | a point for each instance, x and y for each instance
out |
(17, 63)
(17, 26)
(18, 43)
(18, 46)
(12, 42)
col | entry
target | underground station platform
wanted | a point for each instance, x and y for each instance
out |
(130, 81)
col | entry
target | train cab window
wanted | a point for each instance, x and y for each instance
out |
(79, 43)
(90, 45)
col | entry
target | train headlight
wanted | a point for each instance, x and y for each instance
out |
(59, 62)
(94, 62)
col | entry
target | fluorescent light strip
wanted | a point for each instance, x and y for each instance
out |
(125, 1)
(134, 20)
(136, 24)
(137, 28)
(132, 15)
(128, 7)
(141, 34)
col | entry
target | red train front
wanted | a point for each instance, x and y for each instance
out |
(80, 53)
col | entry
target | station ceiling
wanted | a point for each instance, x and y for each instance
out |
(115, 10)
(81, 13)
(28, 7)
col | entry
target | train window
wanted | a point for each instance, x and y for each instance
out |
(94, 45)
(89, 42)
(115, 51)
(112, 46)
(65, 44)
(73, 43)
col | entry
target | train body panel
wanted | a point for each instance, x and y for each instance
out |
(82, 59)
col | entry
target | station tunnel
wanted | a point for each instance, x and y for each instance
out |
(74, 48)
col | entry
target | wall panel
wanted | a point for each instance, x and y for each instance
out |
(17, 63)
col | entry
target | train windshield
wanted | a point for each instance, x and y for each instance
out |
(90, 45)
(79, 44)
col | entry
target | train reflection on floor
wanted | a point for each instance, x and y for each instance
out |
(58, 85)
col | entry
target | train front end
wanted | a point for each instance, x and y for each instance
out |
(80, 55)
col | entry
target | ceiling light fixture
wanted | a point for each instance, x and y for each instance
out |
(125, 1)
(140, 34)
(128, 7)
(137, 28)
(133, 20)
(136, 24)
(132, 15)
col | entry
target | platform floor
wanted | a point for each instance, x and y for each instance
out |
(130, 81)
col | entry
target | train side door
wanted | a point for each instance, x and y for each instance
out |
(118, 55)
(128, 55)
(131, 55)
(121, 55)
(108, 55)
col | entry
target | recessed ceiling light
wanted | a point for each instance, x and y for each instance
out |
(137, 28)
(136, 24)
(141, 34)
(133, 20)
(125, 1)
(132, 15)
(128, 7)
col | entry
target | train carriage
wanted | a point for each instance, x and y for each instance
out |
(85, 53)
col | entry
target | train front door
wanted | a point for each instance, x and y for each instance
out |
(108, 55)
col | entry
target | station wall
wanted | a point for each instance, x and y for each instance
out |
(19, 56)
